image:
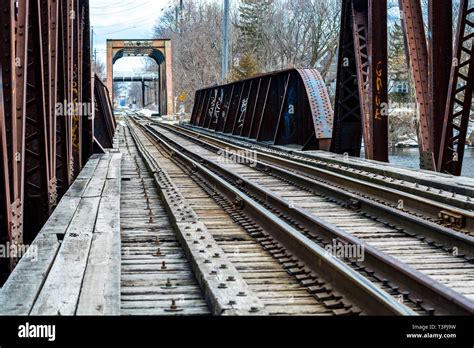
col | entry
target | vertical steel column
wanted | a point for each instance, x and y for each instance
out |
(18, 125)
(370, 43)
(7, 113)
(87, 87)
(13, 62)
(5, 212)
(76, 49)
(458, 106)
(36, 168)
(378, 75)
(412, 18)
(49, 13)
(440, 53)
(347, 130)
(62, 92)
(360, 9)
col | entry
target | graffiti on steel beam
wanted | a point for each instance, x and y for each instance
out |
(266, 106)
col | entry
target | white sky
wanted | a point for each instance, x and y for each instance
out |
(124, 19)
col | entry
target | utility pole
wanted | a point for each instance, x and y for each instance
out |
(92, 39)
(225, 42)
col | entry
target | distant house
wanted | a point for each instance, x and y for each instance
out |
(399, 87)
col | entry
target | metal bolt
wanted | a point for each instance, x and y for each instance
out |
(223, 266)
(241, 293)
(163, 265)
(173, 306)
(253, 310)
(230, 278)
(222, 286)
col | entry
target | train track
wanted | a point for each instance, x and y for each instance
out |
(447, 205)
(156, 278)
(398, 260)
(282, 283)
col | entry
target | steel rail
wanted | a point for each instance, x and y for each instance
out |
(369, 195)
(349, 283)
(461, 194)
(444, 299)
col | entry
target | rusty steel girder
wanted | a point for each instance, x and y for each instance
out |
(285, 107)
(347, 130)
(459, 99)
(440, 54)
(361, 92)
(104, 120)
(45, 61)
(412, 20)
(14, 39)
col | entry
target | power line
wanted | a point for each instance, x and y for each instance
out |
(116, 5)
(137, 20)
(131, 27)
(119, 12)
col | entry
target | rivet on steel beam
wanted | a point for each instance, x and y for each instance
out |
(241, 293)
(222, 286)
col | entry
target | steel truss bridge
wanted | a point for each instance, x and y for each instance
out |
(260, 204)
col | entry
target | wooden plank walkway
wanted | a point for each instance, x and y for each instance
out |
(73, 265)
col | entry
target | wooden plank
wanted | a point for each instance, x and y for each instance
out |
(78, 187)
(21, 289)
(88, 171)
(115, 166)
(100, 293)
(60, 293)
(111, 188)
(103, 167)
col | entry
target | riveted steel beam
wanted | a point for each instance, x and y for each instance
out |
(284, 107)
(458, 106)
(412, 18)
(361, 95)
(36, 170)
(347, 132)
(440, 54)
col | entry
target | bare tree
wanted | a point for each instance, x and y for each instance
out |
(196, 35)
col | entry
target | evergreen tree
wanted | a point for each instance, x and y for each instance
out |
(253, 17)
